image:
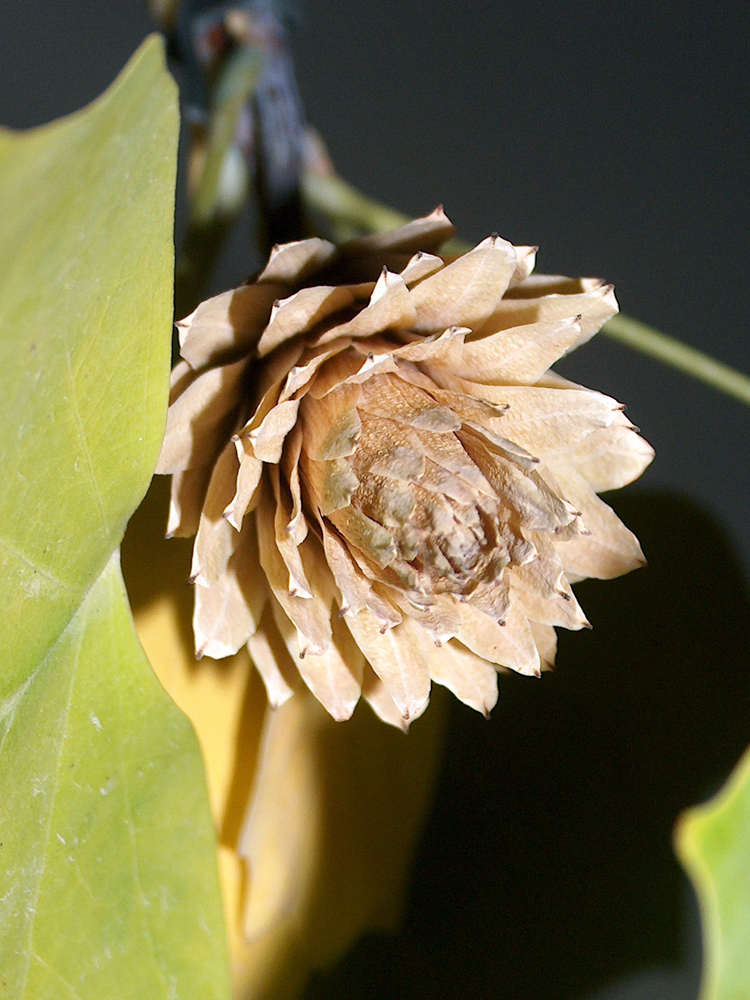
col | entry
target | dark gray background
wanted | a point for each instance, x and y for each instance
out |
(615, 137)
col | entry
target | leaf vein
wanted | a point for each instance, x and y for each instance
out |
(22, 557)
(130, 823)
(73, 992)
(84, 441)
(63, 730)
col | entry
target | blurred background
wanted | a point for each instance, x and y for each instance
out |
(615, 137)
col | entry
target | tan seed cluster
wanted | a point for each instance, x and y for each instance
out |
(389, 486)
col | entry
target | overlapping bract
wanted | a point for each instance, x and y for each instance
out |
(389, 487)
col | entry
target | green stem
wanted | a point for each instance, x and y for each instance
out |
(351, 213)
(215, 207)
(673, 352)
(235, 85)
(347, 207)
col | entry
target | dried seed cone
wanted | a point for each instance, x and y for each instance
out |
(389, 487)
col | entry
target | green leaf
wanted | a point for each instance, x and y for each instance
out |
(713, 842)
(108, 881)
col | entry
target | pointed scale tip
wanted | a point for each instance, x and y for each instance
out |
(228, 516)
